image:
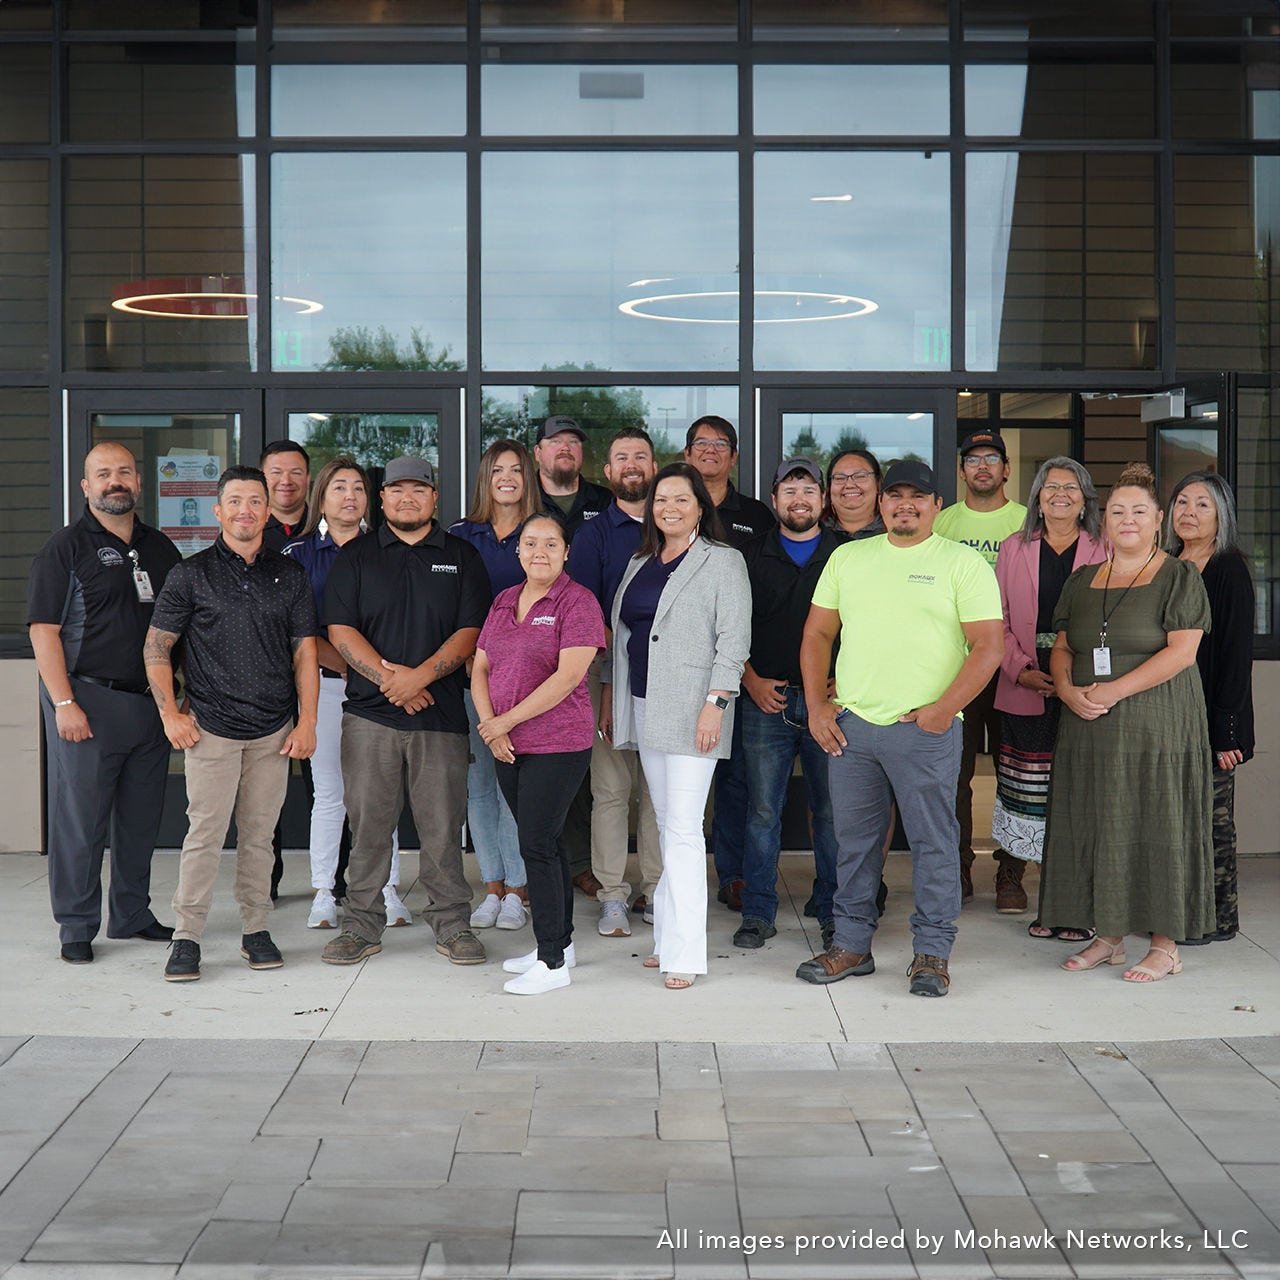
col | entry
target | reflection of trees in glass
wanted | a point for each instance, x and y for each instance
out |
(372, 439)
(358, 349)
(805, 444)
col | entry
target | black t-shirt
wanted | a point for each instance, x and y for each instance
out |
(744, 518)
(239, 622)
(406, 600)
(82, 581)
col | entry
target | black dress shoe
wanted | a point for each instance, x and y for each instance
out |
(154, 932)
(77, 953)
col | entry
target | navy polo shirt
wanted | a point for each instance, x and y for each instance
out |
(599, 554)
(406, 600)
(82, 581)
(499, 554)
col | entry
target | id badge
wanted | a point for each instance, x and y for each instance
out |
(1102, 661)
(142, 585)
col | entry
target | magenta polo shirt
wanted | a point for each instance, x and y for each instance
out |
(524, 654)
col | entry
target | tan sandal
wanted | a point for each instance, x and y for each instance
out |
(1114, 954)
(1151, 975)
(679, 981)
(651, 962)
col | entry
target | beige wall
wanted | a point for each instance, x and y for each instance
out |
(1258, 786)
(19, 756)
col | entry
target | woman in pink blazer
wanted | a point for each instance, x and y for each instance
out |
(1061, 533)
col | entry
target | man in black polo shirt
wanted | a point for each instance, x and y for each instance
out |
(784, 566)
(247, 616)
(404, 607)
(558, 453)
(287, 467)
(89, 600)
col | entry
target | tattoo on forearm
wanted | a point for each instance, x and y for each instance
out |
(446, 665)
(158, 647)
(362, 667)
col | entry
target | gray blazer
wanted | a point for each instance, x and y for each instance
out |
(700, 641)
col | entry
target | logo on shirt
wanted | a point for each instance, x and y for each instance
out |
(926, 578)
(589, 515)
(110, 556)
(544, 621)
(444, 568)
(741, 528)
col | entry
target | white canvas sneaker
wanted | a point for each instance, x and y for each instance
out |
(324, 911)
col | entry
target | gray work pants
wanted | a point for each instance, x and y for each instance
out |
(109, 786)
(882, 763)
(379, 765)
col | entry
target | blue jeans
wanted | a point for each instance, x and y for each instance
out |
(493, 829)
(729, 814)
(770, 744)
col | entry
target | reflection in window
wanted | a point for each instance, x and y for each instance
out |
(1240, 18)
(1036, 404)
(1228, 92)
(852, 100)
(1056, 100)
(1060, 261)
(319, 99)
(174, 289)
(972, 404)
(371, 439)
(609, 19)
(161, 15)
(24, 93)
(1227, 262)
(1180, 450)
(24, 264)
(621, 261)
(609, 101)
(664, 412)
(850, 19)
(24, 498)
(1028, 448)
(889, 436)
(853, 260)
(1057, 19)
(371, 19)
(1259, 470)
(368, 261)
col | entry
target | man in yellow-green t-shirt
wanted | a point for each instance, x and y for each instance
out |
(982, 521)
(918, 618)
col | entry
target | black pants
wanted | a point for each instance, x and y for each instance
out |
(981, 737)
(538, 790)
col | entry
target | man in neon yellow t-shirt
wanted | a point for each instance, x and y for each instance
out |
(920, 631)
(982, 521)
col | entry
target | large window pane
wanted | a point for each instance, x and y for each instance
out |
(370, 19)
(1060, 262)
(622, 261)
(1227, 262)
(794, 99)
(24, 93)
(157, 93)
(35, 15)
(161, 15)
(1227, 92)
(368, 261)
(609, 19)
(160, 263)
(24, 264)
(850, 19)
(371, 439)
(1059, 100)
(1057, 19)
(888, 435)
(1258, 475)
(852, 260)
(24, 498)
(609, 100)
(321, 99)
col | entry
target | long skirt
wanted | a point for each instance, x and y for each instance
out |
(1023, 764)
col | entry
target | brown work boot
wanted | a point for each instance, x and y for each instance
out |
(1011, 897)
(929, 976)
(966, 878)
(731, 894)
(463, 948)
(586, 882)
(836, 963)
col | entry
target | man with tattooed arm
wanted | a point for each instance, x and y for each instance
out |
(247, 619)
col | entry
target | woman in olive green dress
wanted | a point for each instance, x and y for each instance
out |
(1128, 845)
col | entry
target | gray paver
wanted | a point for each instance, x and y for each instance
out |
(591, 1213)
(385, 1161)
(457, 1257)
(498, 1129)
(704, 1213)
(553, 1119)
(255, 1201)
(564, 1257)
(775, 1057)
(688, 1066)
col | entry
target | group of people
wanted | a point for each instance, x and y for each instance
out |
(568, 649)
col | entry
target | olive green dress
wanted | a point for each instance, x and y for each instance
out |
(1128, 845)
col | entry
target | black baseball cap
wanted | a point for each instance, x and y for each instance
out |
(980, 439)
(557, 423)
(913, 473)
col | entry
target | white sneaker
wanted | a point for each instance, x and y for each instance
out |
(613, 920)
(397, 912)
(324, 911)
(522, 964)
(537, 979)
(485, 916)
(511, 914)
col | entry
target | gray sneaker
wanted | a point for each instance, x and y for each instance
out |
(348, 948)
(463, 948)
(613, 920)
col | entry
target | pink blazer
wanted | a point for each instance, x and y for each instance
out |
(1018, 573)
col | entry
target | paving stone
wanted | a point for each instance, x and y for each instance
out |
(255, 1201)
(852, 1189)
(906, 1138)
(557, 1120)
(752, 1109)
(1261, 1183)
(692, 1115)
(688, 1066)
(1235, 1137)
(1029, 1148)
(798, 1088)
(209, 1057)
(957, 1056)
(768, 1141)
(973, 1156)
(1073, 1177)
(433, 1208)
(502, 1129)
(1003, 1219)
(421, 1057)
(591, 1087)
(91, 1271)
(591, 1213)
(1262, 1053)
(9, 1045)
(333, 1057)
(881, 1102)
(454, 1257)
(851, 1253)
(704, 1212)
(565, 1257)
(394, 1252)
(774, 1057)
(391, 1160)
(863, 1057)
(522, 1055)
(935, 1221)
(229, 1244)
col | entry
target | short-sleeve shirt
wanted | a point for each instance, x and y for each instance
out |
(984, 531)
(744, 517)
(902, 611)
(82, 581)
(500, 555)
(406, 600)
(601, 551)
(523, 655)
(239, 623)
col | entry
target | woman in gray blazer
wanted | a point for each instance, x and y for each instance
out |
(681, 634)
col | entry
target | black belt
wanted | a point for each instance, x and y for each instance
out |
(122, 686)
(331, 675)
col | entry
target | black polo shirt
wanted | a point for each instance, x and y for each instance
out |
(82, 581)
(277, 536)
(744, 518)
(588, 503)
(406, 600)
(781, 593)
(239, 622)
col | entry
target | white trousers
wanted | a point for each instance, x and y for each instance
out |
(679, 786)
(328, 809)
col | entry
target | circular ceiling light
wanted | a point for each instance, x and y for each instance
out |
(196, 298)
(816, 306)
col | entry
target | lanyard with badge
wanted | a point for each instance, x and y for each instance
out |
(1102, 654)
(141, 580)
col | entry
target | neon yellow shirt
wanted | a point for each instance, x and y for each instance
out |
(901, 610)
(984, 531)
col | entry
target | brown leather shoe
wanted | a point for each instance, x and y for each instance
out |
(836, 963)
(463, 948)
(731, 894)
(929, 976)
(585, 882)
(1011, 897)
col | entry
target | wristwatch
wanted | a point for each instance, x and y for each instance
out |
(717, 701)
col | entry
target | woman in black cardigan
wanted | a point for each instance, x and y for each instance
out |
(1202, 529)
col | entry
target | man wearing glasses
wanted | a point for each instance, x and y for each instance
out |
(982, 521)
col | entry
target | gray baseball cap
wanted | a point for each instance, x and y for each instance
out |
(409, 468)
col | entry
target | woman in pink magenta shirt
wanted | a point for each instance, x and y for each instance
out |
(529, 683)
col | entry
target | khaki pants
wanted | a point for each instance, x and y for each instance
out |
(225, 776)
(614, 776)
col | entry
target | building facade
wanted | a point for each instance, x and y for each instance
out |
(378, 226)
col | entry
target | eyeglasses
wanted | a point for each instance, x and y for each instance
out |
(1069, 489)
(843, 477)
(719, 446)
(975, 460)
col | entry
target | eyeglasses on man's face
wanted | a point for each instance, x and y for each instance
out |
(717, 445)
(975, 460)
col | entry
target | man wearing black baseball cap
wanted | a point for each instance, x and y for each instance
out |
(558, 453)
(982, 521)
(919, 623)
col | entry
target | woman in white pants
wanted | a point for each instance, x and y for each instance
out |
(335, 516)
(681, 634)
